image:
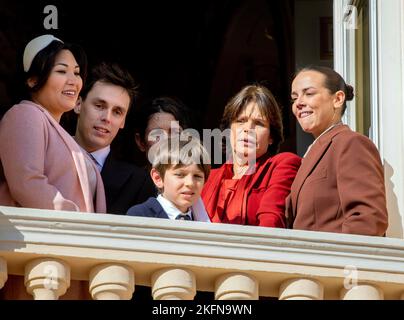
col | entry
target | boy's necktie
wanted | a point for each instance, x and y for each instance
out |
(183, 217)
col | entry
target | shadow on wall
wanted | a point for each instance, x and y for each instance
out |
(395, 229)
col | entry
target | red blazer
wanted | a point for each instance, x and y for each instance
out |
(263, 199)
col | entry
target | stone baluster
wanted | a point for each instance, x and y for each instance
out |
(362, 291)
(173, 284)
(301, 289)
(47, 278)
(112, 282)
(236, 286)
(3, 272)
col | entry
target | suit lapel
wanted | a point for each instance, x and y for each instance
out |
(261, 166)
(108, 169)
(250, 181)
(113, 172)
(156, 208)
(311, 160)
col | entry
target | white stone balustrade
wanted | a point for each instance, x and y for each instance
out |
(173, 284)
(47, 278)
(301, 289)
(112, 282)
(236, 286)
(362, 291)
(177, 258)
(3, 272)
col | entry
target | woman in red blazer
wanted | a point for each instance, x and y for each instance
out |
(340, 185)
(251, 187)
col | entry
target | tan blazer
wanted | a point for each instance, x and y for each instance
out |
(41, 164)
(339, 186)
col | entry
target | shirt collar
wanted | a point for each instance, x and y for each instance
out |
(169, 208)
(323, 133)
(101, 155)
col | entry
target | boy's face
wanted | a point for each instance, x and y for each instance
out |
(182, 186)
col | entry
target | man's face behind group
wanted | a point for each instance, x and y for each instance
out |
(101, 115)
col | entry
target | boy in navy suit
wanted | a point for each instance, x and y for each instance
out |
(179, 171)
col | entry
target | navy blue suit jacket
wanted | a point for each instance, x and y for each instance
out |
(151, 208)
(125, 185)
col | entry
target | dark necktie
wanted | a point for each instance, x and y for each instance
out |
(183, 217)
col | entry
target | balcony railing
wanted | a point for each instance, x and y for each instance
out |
(177, 258)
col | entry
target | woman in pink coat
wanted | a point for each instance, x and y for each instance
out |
(41, 165)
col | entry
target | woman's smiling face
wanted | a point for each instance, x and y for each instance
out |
(314, 106)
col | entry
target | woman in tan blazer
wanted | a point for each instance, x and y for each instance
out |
(340, 184)
(41, 164)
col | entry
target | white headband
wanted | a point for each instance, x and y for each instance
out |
(34, 46)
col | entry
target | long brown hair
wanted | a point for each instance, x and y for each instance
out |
(266, 104)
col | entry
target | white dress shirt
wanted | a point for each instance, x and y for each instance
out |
(100, 156)
(324, 132)
(197, 211)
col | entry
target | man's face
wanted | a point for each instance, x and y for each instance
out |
(101, 115)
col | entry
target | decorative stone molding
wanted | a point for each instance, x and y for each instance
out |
(301, 289)
(173, 284)
(47, 278)
(112, 282)
(236, 286)
(204, 251)
(362, 291)
(3, 272)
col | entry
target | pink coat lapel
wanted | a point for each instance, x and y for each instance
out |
(78, 158)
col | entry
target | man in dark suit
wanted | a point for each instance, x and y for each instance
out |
(102, 108)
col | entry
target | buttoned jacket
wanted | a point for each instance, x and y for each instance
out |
(339, 186)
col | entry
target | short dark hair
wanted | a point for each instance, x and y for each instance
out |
(44, 61)
(170, 105)
(110, 73)
(333, 82)
(266, 104)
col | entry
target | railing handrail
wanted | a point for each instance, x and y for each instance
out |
(149, 244)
